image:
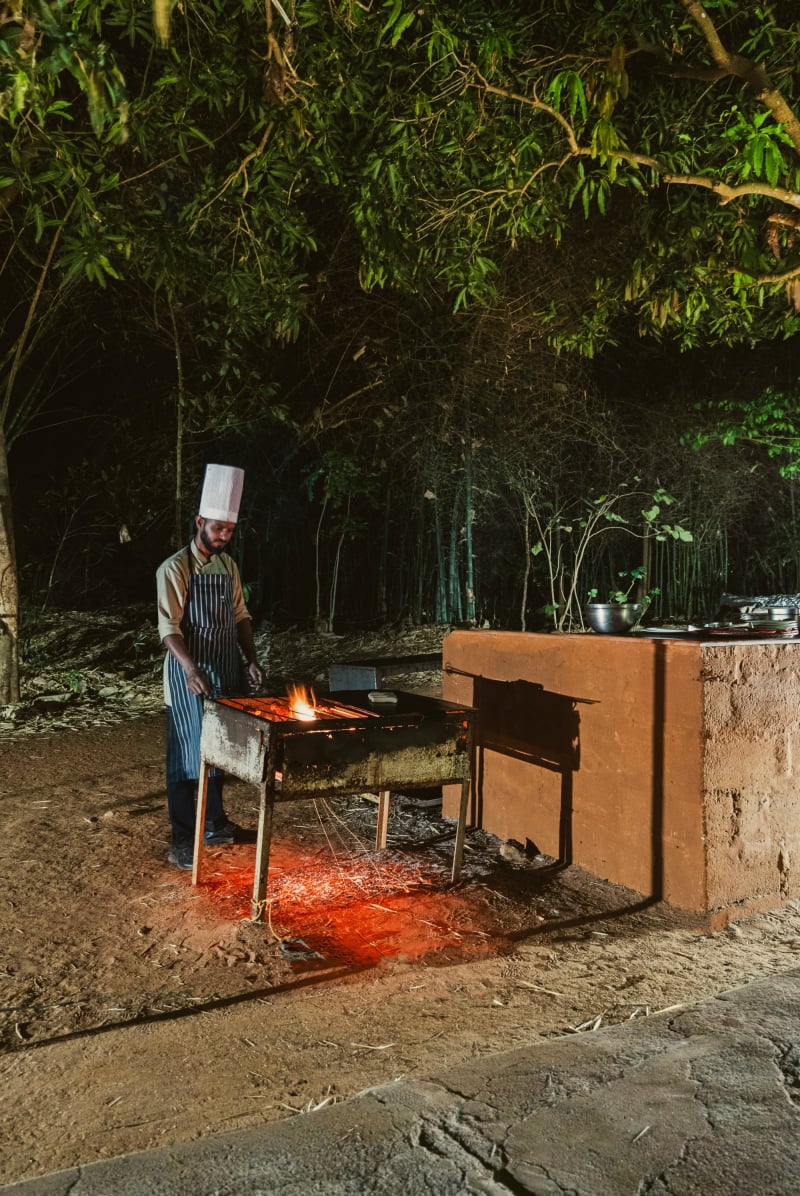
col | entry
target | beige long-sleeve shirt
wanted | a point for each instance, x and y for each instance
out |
(172, 589)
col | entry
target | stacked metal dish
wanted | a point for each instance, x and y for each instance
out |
(781, 621)
(783, 612)
(755, 624)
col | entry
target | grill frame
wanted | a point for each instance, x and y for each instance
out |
(417, 743)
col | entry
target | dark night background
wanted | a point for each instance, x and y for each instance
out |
(100, 459)
(339, 255)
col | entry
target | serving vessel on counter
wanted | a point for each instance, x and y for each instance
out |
(783, 612)
(613, 618)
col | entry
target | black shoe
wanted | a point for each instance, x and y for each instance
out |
(221, 835)
(229, 832)
(225, 834)
(182, 856)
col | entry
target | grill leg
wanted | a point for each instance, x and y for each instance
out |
(458, 853)
(263, 843)
(200, 820)
(383, 819)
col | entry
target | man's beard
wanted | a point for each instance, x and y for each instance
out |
(212, 549)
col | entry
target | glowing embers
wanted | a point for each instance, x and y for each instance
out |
(361, 910)
(281, 710)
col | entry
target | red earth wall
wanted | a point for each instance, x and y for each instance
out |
(664, 765)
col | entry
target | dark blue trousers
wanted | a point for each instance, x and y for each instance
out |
(182, 804)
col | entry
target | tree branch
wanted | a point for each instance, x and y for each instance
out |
(533, 102)
(679, 70)
(241, 169)
(751, 73)
(786, 276)
(34, 303)
(724, 191)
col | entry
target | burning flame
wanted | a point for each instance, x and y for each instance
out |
(302, 703)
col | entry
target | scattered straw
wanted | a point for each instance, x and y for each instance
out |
(591, 1024)
(551, 992)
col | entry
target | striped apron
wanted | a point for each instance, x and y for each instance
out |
(209, 632)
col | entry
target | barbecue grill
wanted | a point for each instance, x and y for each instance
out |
(354, 744)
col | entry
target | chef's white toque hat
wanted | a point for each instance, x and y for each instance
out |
(222, 493)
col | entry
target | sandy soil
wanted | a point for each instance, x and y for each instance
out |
(138, 1011)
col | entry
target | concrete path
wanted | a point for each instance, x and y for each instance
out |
(700, 1101)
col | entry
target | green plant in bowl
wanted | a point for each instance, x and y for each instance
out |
(619, 614)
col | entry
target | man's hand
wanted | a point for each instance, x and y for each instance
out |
(255, 674)
(244, 634)
(197, 682)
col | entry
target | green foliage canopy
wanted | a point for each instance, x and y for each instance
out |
(771, 421)
(223, 152)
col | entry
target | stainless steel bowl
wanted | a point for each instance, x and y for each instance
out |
(612, 618)
(783, 612)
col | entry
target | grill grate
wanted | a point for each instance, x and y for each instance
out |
(279, 710)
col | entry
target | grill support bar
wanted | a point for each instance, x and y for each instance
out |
(382, 830)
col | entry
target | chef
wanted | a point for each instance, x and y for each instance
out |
(208, 634)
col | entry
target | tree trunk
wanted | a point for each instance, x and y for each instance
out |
(441, 590)
(795, 552)
(468, 519)
(382, 588)
(645, 582)
(9, 586)
(180, 408)
(419, 579)
(523, 616)
(320, 622)
(337, 560)
(454, 613)
(9, 592)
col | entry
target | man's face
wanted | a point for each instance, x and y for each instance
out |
(213, 534)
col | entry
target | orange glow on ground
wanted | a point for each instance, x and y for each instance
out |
(359, 909)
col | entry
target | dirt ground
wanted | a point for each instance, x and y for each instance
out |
(139, 1011)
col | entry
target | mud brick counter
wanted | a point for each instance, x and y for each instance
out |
(669, 766)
